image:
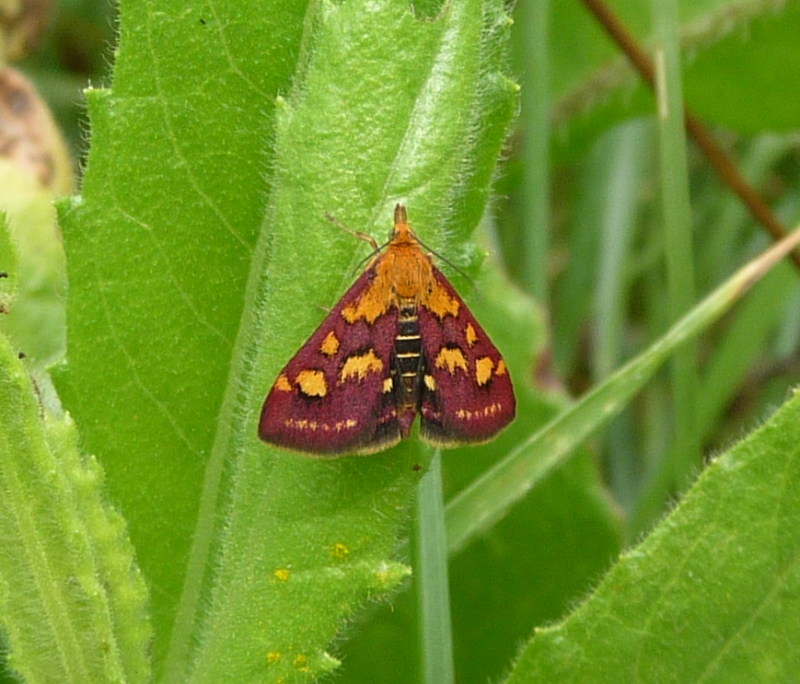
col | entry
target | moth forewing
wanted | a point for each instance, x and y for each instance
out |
(399, 342)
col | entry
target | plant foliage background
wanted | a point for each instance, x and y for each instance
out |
(198, 259)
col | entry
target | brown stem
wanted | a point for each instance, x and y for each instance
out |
(721, 162)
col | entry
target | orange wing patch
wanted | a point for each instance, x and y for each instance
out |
(282, 384)
(451, 358)
(471, 335)
(312, 383)
(359, 366)
(440, 303)
(483, 370)
(371, 305)
(330, 345)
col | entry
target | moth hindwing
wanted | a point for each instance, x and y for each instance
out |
(400, 342)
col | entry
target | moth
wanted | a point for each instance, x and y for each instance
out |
(400, 342)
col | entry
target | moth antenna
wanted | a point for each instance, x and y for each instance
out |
(357, 233)
(448, 262)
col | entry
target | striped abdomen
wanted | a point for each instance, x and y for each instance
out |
(408, 360)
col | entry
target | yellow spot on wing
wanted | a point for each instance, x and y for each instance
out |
(440, 302)
(472, 336)
(302, 424)
(501, 368)
(451, 359)
(283, 384)
(483, 370)
(387, 385)
(359, 366)
(312, 383)
(373, 302)
(430, 382)
(486, 412)
(330, 345)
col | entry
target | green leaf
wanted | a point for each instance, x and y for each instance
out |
(419, 150)
(71, 599)
(182, 311)
(35, 323)
(710, 595)
(159, 245)
(9, 265)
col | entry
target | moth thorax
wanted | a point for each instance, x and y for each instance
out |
(412, 274)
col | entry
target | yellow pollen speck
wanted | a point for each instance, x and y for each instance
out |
(312, 383)
(451, 359)
(281, 574)
(387, 385)
(301, 662)
(340, 550)
(501, 368)
(330, 345)
(283, 384)
(483, 370)
(472, 336)
(359, 366)
(430, 382)
(273, 657)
